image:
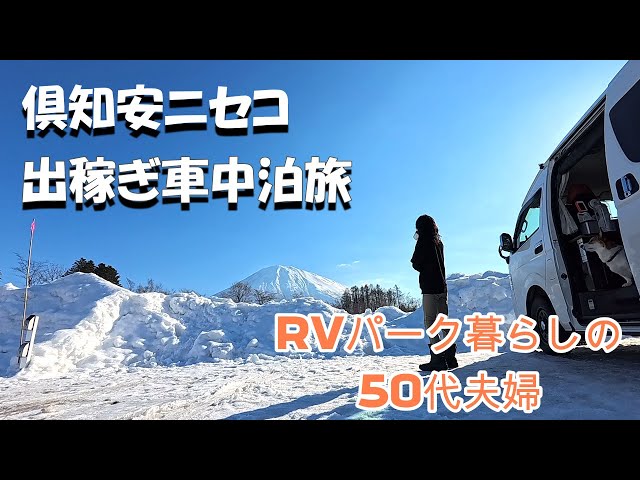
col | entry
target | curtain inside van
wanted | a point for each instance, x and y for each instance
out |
(567, 223)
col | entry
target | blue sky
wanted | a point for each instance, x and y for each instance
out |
(459, 140)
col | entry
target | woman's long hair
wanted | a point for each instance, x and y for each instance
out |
(427, 226)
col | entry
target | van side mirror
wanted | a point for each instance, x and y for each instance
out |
(506, 245)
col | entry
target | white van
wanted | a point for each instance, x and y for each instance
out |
(550, 271)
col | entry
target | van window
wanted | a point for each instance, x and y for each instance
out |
(613, 211)
(529, 221)
(625, 117)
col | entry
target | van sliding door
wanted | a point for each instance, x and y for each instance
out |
(622, 146)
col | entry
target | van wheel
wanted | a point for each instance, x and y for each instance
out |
(540, 310)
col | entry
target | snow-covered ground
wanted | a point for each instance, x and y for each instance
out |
(105, 352)
(588, 385)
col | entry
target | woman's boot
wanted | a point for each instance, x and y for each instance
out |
(450, 357)
(437, 362)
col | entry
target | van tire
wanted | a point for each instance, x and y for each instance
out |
(540, 310)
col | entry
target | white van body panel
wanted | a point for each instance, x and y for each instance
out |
(529, 270)
(525, 267)
(620, 166)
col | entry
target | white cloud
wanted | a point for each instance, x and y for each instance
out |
(372, 281)
(348, 265)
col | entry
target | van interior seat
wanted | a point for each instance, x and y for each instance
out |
(581, 197)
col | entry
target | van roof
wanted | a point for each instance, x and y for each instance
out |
(597, 104)
(577, 126)
(565, 141)
(569, 137)
(535, 185)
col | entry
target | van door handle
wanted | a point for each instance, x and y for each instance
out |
(626, 186)
(538, 249)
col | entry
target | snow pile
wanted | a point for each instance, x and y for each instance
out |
(88, 323)
(468, 294)
(484, 293)
(291, 282)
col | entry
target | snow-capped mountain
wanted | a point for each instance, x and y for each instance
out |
(290, 282)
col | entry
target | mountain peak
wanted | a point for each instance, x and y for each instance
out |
(275, 268)
(287, 282)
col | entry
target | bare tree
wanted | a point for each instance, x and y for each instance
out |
(240, 292)
(150, 286)
(409, 303)
(40, 272)
(50, 272)
(191, 290)
(262, 296)
(358, 299)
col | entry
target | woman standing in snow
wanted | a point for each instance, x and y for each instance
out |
(428, 259)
